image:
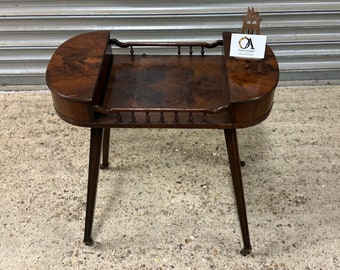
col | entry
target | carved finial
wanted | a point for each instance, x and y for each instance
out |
(251, 22)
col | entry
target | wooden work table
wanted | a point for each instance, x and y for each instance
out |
(92, 87)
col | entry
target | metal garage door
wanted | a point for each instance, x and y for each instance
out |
(305, 35)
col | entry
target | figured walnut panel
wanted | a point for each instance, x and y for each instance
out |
(73, 72)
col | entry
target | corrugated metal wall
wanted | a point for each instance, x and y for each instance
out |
(305, 35)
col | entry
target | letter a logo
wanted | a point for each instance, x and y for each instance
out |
(245, 43)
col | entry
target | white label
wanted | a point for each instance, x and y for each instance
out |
(248, 46)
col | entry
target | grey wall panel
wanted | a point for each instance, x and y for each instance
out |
(305, 35)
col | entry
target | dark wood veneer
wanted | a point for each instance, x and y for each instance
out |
(91, 87)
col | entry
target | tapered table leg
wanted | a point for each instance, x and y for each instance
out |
(234, 162)
(106, 147)
(95, 150)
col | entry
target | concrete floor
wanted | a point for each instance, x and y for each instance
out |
(166, 202)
